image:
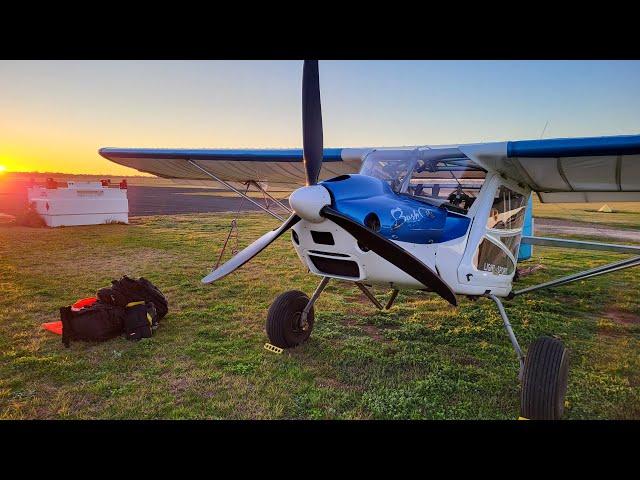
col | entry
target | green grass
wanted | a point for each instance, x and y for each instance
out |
(421, 359)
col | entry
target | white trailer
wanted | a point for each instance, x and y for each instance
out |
(80, 203)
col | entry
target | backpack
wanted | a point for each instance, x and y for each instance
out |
(97, 322)
(141, 318)
(127, 290)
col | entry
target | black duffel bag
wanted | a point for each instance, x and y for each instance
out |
(127, 290)
(97, 322)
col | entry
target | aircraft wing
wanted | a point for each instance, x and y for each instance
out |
(593, 169)
(260, 165)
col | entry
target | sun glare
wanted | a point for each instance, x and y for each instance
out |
(2, 168)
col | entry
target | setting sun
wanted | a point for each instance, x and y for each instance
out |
(2, 168)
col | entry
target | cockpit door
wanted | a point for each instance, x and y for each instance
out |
(490, 258)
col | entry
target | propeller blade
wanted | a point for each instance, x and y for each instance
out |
(391, 252)
(251, 251)
(311, 121)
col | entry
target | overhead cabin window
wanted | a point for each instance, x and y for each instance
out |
(454, 183)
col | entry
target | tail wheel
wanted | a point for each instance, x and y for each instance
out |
(544, 380)
(285, 328)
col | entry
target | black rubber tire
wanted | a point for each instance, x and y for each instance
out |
(283, 328)
(544, 380)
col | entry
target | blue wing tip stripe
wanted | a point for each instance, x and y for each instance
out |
(575, 147)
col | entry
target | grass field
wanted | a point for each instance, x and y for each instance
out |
(421, 359)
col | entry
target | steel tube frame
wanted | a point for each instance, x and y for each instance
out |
(230, 187)
(392, 299)
(369, 295)
(611, 267)
(275, 200)
(579, 244)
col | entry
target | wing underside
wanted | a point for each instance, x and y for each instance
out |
(595, 169)
(273, 166)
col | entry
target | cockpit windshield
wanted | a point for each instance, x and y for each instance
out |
(393, 171)
(451, 180)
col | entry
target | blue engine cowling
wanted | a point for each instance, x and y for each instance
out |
(370, 200)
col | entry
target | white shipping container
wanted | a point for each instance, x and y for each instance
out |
(81, 203)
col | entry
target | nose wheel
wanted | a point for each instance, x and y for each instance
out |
(290, 317)
(286, 327)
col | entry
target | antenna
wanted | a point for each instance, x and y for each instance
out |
(544, 129)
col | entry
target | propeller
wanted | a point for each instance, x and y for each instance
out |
(311, 121)
(313, 203)
(251, 251)
(312, 158)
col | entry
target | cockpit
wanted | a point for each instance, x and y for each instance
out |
(438, 177)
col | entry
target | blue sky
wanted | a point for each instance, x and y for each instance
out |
(56, 114)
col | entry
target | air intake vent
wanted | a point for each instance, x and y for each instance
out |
(332, 266)
(323, 238)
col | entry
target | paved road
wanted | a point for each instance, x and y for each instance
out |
(144, 200)
(553, 227)
(170, 200)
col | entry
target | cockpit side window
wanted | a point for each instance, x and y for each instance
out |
(498, 250)
(507, 212)
(452, 183)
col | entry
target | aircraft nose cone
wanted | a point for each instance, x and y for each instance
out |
(308, 201)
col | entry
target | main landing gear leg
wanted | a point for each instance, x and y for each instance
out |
(512, 336)
(544, 373)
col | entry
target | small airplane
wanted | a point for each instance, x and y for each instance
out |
(442, 219)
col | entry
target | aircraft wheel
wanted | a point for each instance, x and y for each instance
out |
(544, 380)
(283, 320)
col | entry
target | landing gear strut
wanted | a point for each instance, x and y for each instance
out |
(543, 373)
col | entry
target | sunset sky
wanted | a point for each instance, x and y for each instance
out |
(55, 115)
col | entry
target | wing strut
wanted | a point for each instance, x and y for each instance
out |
(233, 189)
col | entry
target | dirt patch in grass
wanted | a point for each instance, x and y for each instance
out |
(525, 271)
(374, 332)
(621, 316)
(337, 384)
(371, 330)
